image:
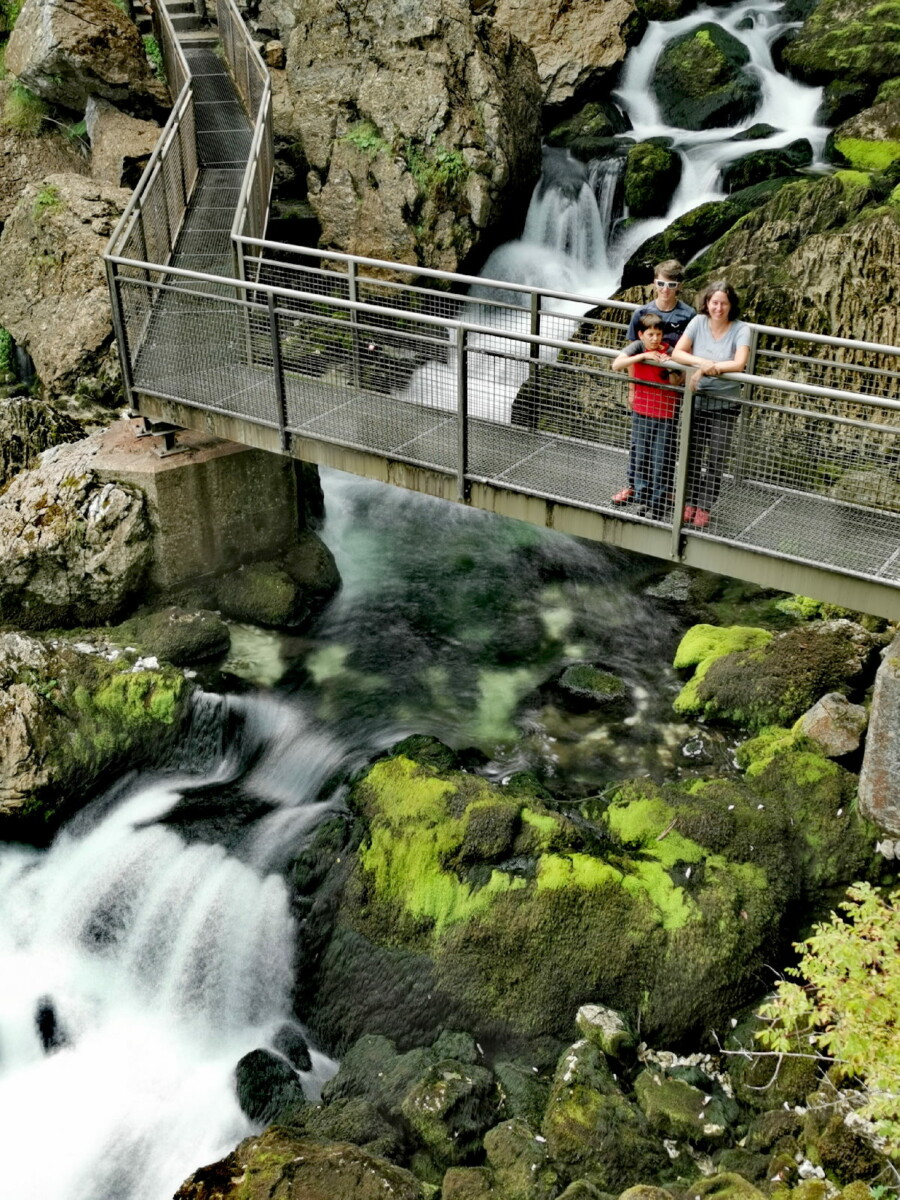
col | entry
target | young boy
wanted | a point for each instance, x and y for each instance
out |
(674, 314)
(653, 406)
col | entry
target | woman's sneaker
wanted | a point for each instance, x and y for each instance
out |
(701, 518)
(688, 518)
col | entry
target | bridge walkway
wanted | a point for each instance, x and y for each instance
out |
(226, 356)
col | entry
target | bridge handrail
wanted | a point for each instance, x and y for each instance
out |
(788, 385)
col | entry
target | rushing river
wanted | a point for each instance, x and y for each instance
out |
(150, 947)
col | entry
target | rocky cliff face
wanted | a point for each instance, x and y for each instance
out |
(418, 121)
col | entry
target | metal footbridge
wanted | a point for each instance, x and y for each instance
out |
(493, 394)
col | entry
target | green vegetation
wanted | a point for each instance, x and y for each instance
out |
(47, 199)
(701, 646)
(23, 110)
(866, 155)
(439, 172)
(7, 366)
(154, 54)
(846, 1003)
(9, 13)
(366, 136)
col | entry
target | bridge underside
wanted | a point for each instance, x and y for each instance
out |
(776, 520)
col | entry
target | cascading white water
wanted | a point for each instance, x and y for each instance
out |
(159, 963)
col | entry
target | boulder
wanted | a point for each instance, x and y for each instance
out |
(68, 50)
(278, 1163)
(120, 145)
(350, 1120)
(577, 46)
(520, 1165)
(834, 724)
(869, 141)
(450, 1108)
(652, 173)
(71, 714)
(266, 1086)
(291, 1043)
(585, 687)
(879, 779)
(844, 98)
(54, 298)
(762, 165)
(775, 680)
(74, 550)
(25, 157)
(855, 40)
(589, 132)
(420, 124)
(606, 1029)
(686, 236)
(679, 1110)
(282, 593)
(28, 427)
(699, 80)
(176, 635)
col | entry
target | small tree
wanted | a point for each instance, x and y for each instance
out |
(848, 1005)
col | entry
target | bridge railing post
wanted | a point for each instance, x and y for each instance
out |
(354, 323)
(462, 414)
(534, 350)
(743, 422)
(685, 420)
(121, 330)
(278, 373)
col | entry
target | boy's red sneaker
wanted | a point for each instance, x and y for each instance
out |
(701, 518)
(626, 494)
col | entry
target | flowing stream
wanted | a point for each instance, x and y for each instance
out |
(151, 946)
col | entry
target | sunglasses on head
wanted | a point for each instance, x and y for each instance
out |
(667, 283)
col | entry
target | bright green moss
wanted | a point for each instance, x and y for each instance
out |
(866, 155)
(135, 699)
(413, 831)
(754, 755)
(651, 880)
(650, 824)
(574, 870)
(702, 642)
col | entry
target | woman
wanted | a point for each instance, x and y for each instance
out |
(715, 342)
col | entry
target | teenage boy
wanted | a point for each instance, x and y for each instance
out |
(674, 314)
(653, 408)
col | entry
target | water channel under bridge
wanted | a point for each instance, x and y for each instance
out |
(497, 395)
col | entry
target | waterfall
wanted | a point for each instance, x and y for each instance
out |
(139, 964)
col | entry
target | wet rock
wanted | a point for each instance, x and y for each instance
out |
(450, 1108)
(71, 715)
(467, 1183)
(277, 1163)
(263, 593)
(74, 549)
(652, 173)
(679, 1110)
(53, 1036)
(763, 165)
(420, 123)
(266, 1086)
(68, 50)
(843, 99)
(520, 1165)
(879, 779)
(585, 686)
(869, 141)
(606, 1029)
(699, 80)
(834, 724)
(54, 298)
(588, 133)
(853, 40)
(351, 1120)
(576, 46)
(176, 635)
(27, 427)
(290, 1042)
(120, 145)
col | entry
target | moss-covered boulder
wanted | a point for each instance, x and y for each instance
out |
(836, 1143)
(759, 166)
(584, 686)
(696, 229)
(773, 680)
(587, 133)
(266, 1086)
(856, 40)
(449, 1109)
(667, 903)
(277, 1163)
(700, 81)
(606, 1029)
(593, 1132)
(677, 1109)
(520, 1163)
(870, 140)
(652, 173)
(764, 1083)
(175, 635)
(71, 716)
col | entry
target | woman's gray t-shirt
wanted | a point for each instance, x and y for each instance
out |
(717, 387)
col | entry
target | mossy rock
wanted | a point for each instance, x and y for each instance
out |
(519, 1162)
(266, 1086)
(845, 1153)
(768, 1130)
(679, 1110)
(589, 130)
(689, 234)
(652, 173)
(352, 1120)
(524, 1090)
(762, 165)
(591, 687)
(764, 1083)
(277, 1163)
(264, 594)
(725, 1186)
(175, 635)
(467, 1183)
(592, 1131)
(855, 40)
(699, 80)
(870, 140)
(844, 98)
(701, 647)
(449, 1108)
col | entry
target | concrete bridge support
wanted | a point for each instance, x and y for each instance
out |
(879, 780)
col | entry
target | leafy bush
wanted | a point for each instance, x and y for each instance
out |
(847, 1004)
(154, 55)
(366, 136)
